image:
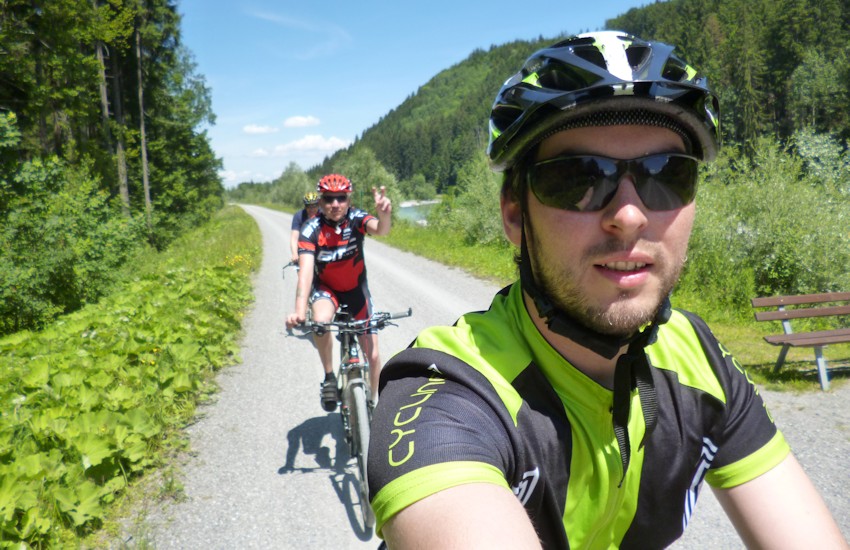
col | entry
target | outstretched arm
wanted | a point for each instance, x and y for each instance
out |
(475, 515)
(384, 208)
(781, 509)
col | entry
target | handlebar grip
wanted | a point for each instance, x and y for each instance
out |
(401, 314)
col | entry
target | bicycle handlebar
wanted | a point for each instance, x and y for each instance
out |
(378, 320)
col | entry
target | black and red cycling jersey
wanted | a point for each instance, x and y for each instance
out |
(338, 249)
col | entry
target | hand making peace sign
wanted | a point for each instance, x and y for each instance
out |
(382, 202)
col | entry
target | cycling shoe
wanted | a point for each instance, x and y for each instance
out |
(329, 394)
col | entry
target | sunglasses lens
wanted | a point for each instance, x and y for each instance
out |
(330, 199)
(574, 183)
(668, 181)
(587, 183)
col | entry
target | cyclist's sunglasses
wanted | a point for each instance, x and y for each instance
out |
(330, 199)
(586, 183)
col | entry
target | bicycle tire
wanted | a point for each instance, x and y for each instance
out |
(359, 424)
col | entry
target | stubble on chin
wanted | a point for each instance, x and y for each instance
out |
(623, 316)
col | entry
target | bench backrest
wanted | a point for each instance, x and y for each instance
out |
(802, 299)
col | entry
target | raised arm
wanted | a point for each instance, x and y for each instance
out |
(781, 509)
(471, 516)
(383, 208)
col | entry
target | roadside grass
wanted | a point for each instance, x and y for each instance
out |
(232, 239)
(97, 402)
(492, 263)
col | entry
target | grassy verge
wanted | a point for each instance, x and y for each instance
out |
(492, 263)
(99, 398)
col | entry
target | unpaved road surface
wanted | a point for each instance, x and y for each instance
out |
(264, 469)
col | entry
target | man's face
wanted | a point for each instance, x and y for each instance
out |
(334, 205)
(312, 209)
(610, 268)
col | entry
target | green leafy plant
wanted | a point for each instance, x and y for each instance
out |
(89, 402)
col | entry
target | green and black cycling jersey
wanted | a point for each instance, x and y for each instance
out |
(489, 400)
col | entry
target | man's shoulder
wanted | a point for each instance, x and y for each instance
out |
(488, 341)
(357, 216)
(687, 346)
(311, 227)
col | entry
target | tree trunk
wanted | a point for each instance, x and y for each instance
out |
(107, 134)
(143, 142)
(121, 157)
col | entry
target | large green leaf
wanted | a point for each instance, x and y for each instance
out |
(142, 423)
(82, 503)
(38, 374)
(93, 449)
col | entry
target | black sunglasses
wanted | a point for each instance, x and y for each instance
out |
(586, 183)
(330, 199)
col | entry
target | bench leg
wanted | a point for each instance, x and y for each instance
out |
(781, 359)
(822, 374)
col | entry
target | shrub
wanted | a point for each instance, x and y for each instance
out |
(60, 242)
(473, 210)
(766, 226)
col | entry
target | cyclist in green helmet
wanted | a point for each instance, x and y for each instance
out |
(580, 410)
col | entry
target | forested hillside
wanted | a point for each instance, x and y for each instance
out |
(778, 65)
(101, 148)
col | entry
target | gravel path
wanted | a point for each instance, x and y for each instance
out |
(264, 472)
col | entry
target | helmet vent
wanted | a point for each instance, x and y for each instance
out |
(675, 70)
(564, 78)
(637, 55)
(592, 54)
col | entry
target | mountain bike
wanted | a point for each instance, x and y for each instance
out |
(354, 390)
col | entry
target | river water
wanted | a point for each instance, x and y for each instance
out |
(416, 211)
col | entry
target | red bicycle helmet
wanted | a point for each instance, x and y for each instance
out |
(334, 183)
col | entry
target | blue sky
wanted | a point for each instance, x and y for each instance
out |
(294, 81)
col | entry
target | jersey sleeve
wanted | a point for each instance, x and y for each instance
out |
(748, 442)
(359, 219)
(431, 431)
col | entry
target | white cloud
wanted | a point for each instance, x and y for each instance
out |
(257, 129)
(312, 143)
(301, 121)
(259, 153)
(231, 178)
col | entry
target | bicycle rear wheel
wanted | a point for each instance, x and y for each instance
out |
(359, 423)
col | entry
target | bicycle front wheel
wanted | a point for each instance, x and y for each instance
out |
(359, 423)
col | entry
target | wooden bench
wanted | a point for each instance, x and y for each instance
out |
(815, 339)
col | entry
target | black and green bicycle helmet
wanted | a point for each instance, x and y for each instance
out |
(602, 79)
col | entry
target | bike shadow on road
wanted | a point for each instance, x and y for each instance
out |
(323, 439)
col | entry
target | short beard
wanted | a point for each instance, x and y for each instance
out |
(563, 290)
